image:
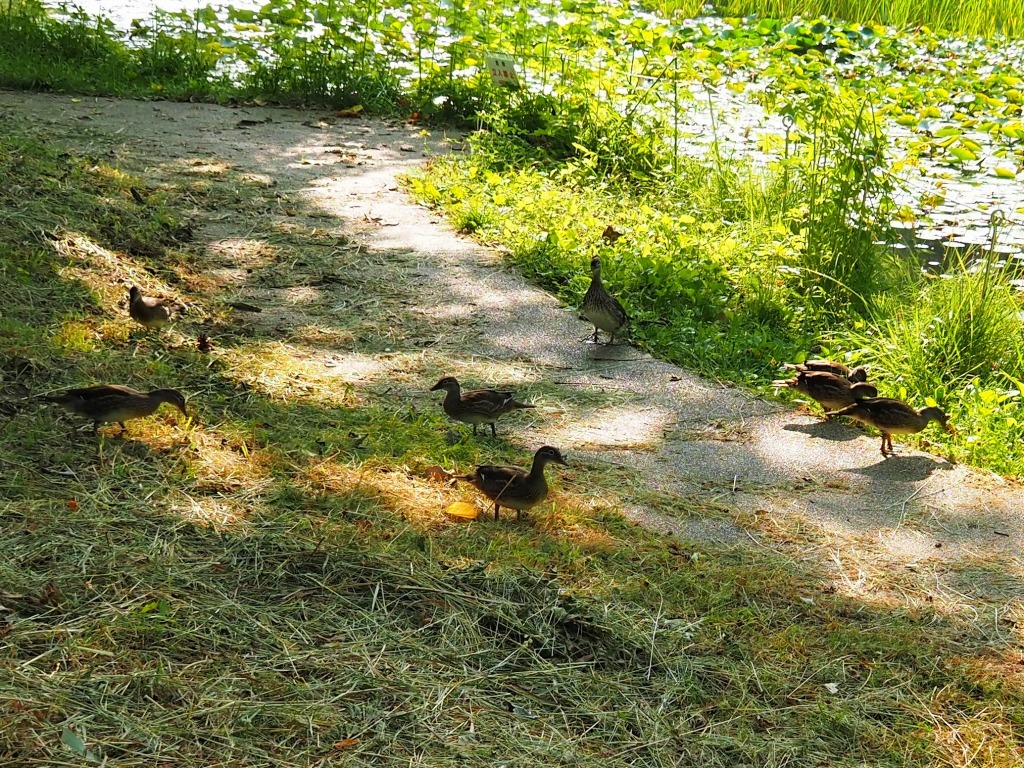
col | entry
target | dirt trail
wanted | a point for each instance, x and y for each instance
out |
(689, 456)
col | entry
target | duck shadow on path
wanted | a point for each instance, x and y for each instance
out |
(903, 468)
(825, 430)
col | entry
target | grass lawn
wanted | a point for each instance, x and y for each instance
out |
(273, 582)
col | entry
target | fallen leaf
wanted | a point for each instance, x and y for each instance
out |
(50, 594)
(345, 743)
(610, 234)
(74, 741)
(463, 509)
(437, 473)
(351, 111)
(72, 505)
(244, 307)
(203, 343)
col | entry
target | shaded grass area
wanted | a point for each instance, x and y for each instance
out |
(272, 581)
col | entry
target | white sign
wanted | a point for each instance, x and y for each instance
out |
(502, 68)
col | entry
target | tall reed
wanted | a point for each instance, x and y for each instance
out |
(953, 329)
(983, 17)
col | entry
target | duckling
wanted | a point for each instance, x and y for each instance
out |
(600, 307)
(147, 311)
(514, 487)
(114, 403)
(828, 389)
(893, 417)
(476, 406)
(853, 375)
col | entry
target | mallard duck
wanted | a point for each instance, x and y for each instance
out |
(892, 417)
(853, 375)
(514, 487)
(476, 406)
(114, 403)
(147, 311)
(600, 307)
(828, 389)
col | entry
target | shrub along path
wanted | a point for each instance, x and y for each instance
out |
(675, 452)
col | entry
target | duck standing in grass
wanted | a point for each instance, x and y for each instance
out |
(600, 307)
(513, 487)
(114, 403)
(892, 417)
(853, 375)
(476, 406)
(149, 312)
(831, 391)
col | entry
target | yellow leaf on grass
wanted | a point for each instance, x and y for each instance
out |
(351, 111)
(440, 474)
(463, 509)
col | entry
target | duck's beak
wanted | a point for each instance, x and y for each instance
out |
(562, 461)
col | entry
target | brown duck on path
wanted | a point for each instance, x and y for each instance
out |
(600, 307)
(152, 313)
(114, 403)
(476, 406)
(892, 417)
(828, 389)
(853, 375)
(514, 487)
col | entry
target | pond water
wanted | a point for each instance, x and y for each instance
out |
(953, 205)
(953, 208)
(122, 13)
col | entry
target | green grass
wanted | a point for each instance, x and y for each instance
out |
(986, 18)
(257, 585)
(85, 55)
(957, 341)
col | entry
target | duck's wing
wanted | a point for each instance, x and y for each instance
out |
(486, 402)
(499, 481)
(102, 392)
(883, 413)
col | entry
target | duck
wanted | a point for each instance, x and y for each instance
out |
(513, 487)
(853, 375)
(893, 417)
(476, 406)
(115, 403)
(600, 307)
(149, 312)
(830, 390)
